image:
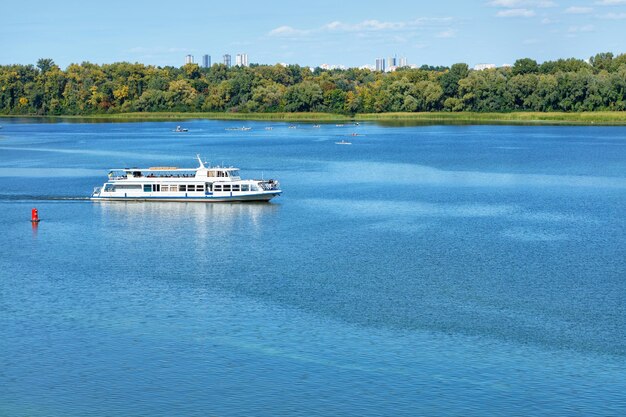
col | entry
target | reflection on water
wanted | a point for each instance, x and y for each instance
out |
(210, 217)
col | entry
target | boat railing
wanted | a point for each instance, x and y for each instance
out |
(96, 190)
(170, 176)
(269, 185)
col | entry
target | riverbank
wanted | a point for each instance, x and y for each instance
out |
(543, 118)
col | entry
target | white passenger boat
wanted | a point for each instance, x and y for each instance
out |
(202, 184)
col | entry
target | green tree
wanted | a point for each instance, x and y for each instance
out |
(305, 96)
(602, 61)
(449, 81)
(525, 66)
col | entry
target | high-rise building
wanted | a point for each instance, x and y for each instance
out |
(482, 67)
(241, 60)
(402, 62)
(380, 64)
(206, 61)
(391, 61)
(227, 61)
(189, 59)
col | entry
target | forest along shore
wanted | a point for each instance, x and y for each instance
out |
(273, 91)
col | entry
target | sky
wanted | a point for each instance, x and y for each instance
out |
(310, 33)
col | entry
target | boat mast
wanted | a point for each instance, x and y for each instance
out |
(200, 161)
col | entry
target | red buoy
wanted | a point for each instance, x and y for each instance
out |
(34, 216)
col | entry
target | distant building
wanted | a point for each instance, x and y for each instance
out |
(241, 60)
(391, 61)
(332, 67)
(227, 61)
(189, 59)
(482, 67)
(206, 61)
(402, 62)
(380, 64)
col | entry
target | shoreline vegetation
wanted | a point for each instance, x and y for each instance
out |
(601, 118)
(565, 91)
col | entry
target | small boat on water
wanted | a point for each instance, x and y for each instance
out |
(239, 128)
(202, 184)
(316, 126)
(343, 142)
(180, 129)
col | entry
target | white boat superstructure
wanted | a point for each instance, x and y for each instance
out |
(202, 184)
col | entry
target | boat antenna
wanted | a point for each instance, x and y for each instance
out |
(200, 161)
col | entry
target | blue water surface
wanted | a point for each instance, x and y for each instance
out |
(425, 270)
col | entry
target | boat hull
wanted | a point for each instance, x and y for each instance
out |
(191, 199)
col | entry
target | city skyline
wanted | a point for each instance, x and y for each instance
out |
(241, 59)
(350, 34)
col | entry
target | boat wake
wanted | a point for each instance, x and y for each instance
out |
(29, 197)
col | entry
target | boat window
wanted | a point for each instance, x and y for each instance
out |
(254, 187)
(217, 187)
(182, 187)
(165, 187)
(235, 187)
(173, 187)
(234, 173)
(147, 188)
(226, 187)
(209, 186)
(245, 187)
(199, 187)
(191, 187)
(109, 188)
(128, 187)
(156, 187)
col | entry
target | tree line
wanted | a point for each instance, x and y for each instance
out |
(569, 85)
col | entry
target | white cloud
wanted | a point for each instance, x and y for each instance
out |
(516, 13)
(610, 2)
(522, 3)
(578, 10)
(364, 25)
(287, 31)
(450, 33)
(505, 3)
(578, 29)
(613, 16)
(361, 28)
